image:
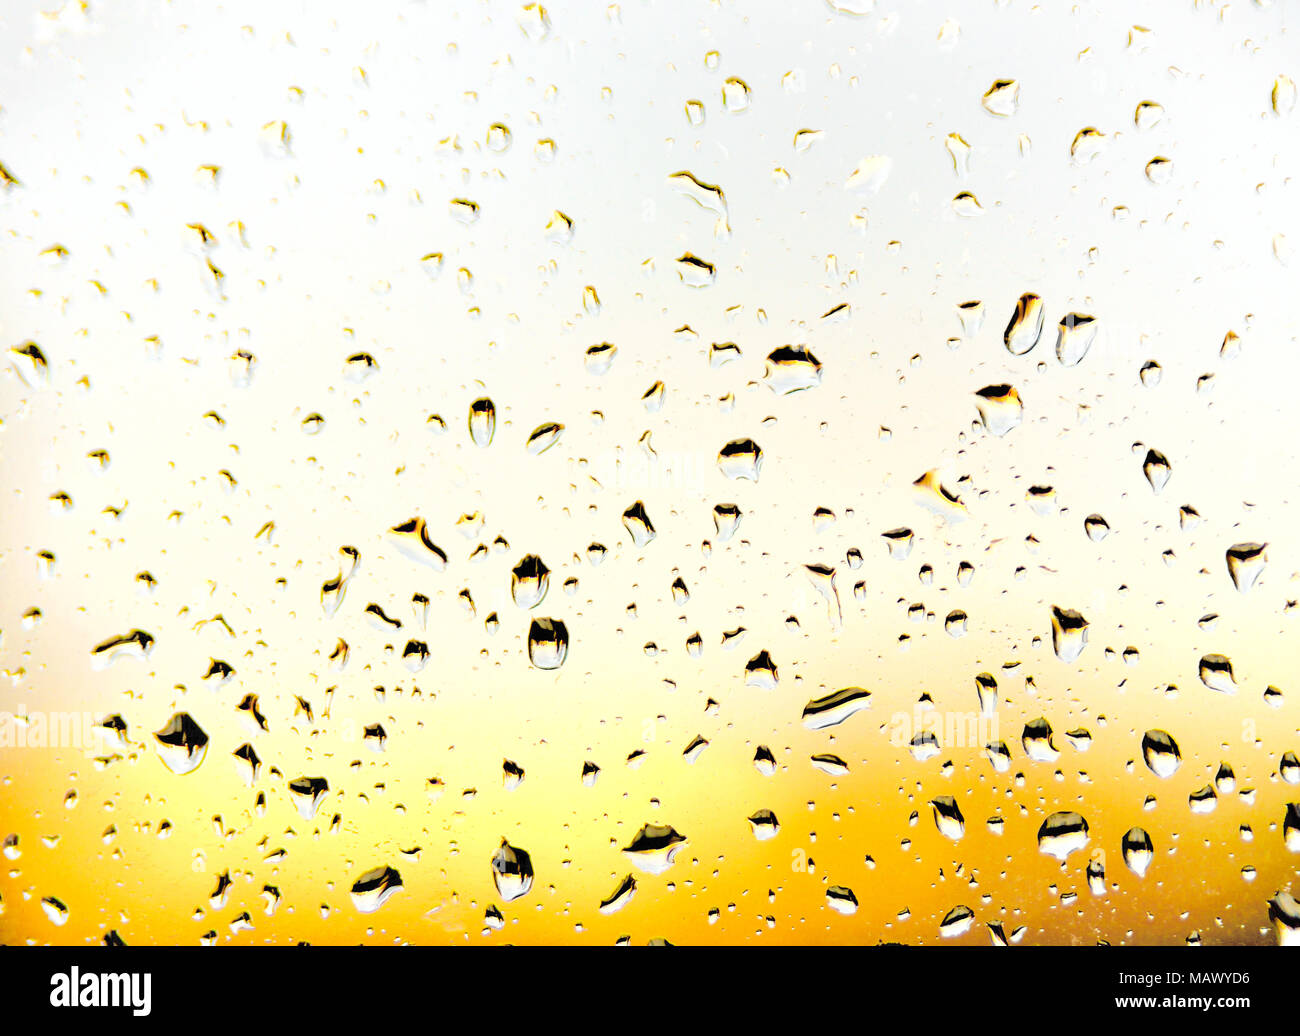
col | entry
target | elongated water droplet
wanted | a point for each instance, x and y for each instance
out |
(638, 524)
(695, 272)
(833, 709)
(948, 818)
(620, 897)
(1137, 850)
(543, 437)
(1283, 95)
(1069, 633)
(1026, 325)
(482, 421)
(654, 847)
(411, 538)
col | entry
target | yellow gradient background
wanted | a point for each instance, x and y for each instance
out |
(319, 238)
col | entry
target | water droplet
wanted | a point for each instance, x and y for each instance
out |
(482, 421)
(600, 358)
(1291, 827)
(136, 644)
(726, 520)
(55, 910)
(1215, 672)
(999, 408)
(833, 709)
(638, 524)
(182, 744)
(411, 538)
(761, 672)
(1160, 752)
(1061, 834)
(1137, 850)
(1246, 564)
(1148, 114)
(308, 793)
(870, 174)
(654, 847)
(735, 95)
(1283, 95)
(1284, 912)
(1069, 633)
(374, 888)
(529, 581)
(1156, 468)
(1036, 740)
(694, 271)
(841, 899)
(498, 138)
(956, 921)
(1096, 528)
(1074, 337)
(620, 897)
(1002, 98)
(899, 541)
(1026, 325)
(543, 437)
(1160, 170)
(959, 151)
(548, 643)
(534, 21)
(792, 368)
(948, 818)
(741, 459)
(764, 825)
(1088, 143)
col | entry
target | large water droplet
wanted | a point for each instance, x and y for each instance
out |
(512, 871)
(548, 643)
(182, 744)
(1061, 834)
